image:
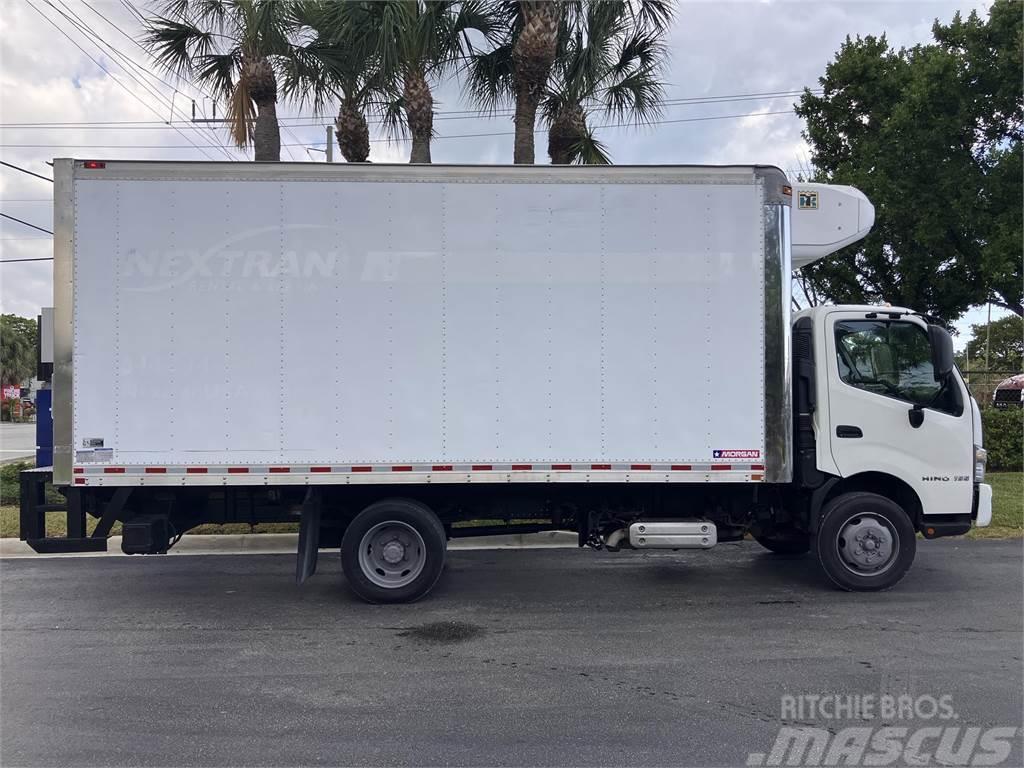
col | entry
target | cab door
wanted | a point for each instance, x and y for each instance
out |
(880, 368)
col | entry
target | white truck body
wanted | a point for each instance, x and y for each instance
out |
(616, 326)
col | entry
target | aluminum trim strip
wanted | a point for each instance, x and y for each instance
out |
(120, 170)
(411, 478)
(778, 414)
(63, 319)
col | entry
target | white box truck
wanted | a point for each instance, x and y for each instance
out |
(392, 354)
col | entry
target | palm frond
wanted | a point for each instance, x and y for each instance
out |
(311, 75)
(218, 71)
(637, 96)
(489, 76)
(656, 15)
(175, 44)
(392, 118)
(589, 151)
(241, 116)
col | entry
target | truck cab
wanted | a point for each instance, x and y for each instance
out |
(882, 413)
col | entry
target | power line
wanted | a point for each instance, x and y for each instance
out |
(120, 59)
(132, 9)
(160, 97)
(25, 170)
(147, 72)
(143, 48)
(41, 258)
(439, 115)
(110, 74)
(435, 138)
(22, 221)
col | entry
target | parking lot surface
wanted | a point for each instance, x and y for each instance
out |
(529, 657)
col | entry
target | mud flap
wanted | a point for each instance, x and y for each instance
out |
(309, 536)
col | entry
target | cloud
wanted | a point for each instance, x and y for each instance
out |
(719, 48)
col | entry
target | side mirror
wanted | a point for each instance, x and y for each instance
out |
(942, 351)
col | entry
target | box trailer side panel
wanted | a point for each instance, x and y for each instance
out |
(374, 323)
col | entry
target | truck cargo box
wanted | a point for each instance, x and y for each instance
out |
(313, 323)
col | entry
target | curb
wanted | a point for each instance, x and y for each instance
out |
(286, 544)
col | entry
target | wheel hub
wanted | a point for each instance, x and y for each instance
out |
(393, 552)
(867, 544)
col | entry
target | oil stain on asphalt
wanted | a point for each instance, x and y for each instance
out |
(443, 632)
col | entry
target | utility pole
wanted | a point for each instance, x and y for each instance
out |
(988, 335)
(330, 144)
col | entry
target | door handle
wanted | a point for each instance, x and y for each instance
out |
(846, 430)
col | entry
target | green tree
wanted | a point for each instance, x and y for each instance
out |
(237, 48)
(1004, 340)
(932, 135)
(17, 349)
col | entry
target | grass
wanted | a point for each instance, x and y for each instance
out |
(1007, 507)
(1007, 515)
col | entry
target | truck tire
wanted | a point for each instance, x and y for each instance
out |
(785, 542)
(865, 542)
(393, 551)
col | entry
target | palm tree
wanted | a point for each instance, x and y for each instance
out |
(237, 48)
(533, 54)
(612, 61)
(434, 35)
(381, 56)
(546, 37)
(517, 68)
(348, 53)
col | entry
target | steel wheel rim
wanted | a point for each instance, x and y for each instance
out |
(392, 554)
(867, 544)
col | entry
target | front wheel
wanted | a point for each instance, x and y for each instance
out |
(393, 551)
(865, 542)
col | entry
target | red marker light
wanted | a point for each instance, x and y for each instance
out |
(94, 165)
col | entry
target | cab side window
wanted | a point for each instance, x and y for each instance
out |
(892, 358)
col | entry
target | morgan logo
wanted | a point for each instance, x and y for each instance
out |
(719, 454)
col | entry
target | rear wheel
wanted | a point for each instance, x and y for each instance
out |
(393, 551)
(865, 542)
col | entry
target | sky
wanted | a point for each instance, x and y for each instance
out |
(54, 71)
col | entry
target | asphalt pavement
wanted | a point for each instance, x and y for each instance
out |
(527, 657)
(17, 440)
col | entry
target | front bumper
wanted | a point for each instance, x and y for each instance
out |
(938, 526)
(982, 512)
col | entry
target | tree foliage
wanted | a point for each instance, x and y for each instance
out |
(1004, 438)
(236, 48)
(562, 61)
(17, 349)
(932, 135)
(611, 62)
(1004, 341)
